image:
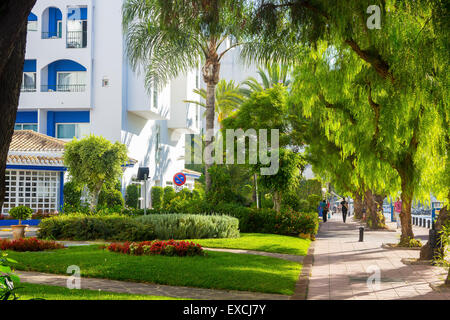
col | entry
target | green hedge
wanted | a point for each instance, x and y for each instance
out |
(85, 227)
(187, 226)
(149, 227)
(287, 222)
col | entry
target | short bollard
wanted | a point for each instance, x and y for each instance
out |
(361, 234)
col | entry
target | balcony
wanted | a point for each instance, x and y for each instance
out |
(76, 39)
(51, 35)
(28, 88)
(63, 88)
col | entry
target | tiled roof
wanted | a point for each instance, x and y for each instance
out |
(27, 140)
(187, 171)
(34, 160)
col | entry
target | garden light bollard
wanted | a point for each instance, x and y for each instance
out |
(361, 234)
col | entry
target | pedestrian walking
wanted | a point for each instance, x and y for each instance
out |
(344, 208)
(324, 206)
(397, 210)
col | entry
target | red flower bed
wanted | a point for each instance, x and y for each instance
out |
(29, 244)
(167, 248)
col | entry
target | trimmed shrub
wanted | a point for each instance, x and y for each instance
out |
(132, 195)
(187, 226)
(85, 227)
(21, 213)
(29, 244)
(157, 197)
(156, 247)
(111, 198)
(168, 196)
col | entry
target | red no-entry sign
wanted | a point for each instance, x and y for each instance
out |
(179, 179)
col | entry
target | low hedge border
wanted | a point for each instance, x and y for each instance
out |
(124, 228)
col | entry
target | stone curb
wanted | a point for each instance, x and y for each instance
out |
(416, 262)
(301, 287)
(387, 246)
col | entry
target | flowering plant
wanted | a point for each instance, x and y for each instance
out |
(158, 247)
(29, 244)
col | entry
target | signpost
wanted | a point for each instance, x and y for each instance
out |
(179, 179)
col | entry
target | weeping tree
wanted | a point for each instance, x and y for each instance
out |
(13, 35)
(400, 71)
(167, 38)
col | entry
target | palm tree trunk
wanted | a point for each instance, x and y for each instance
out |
(211, 72)
(210, 117)
(13, 35)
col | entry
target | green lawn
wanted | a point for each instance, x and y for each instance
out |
(29, 291)
(219, 270)
(260, 242)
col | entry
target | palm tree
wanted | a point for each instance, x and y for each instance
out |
(167, 38)
(229, 96)
(271, 75)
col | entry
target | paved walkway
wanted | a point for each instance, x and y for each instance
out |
(149, 289)
(342, 266)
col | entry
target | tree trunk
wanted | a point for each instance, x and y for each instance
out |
(357, 206)
(211, 71)
(374, 207)
(405, 218)
(277, 201)
(95, 194)
(426, 252)
(13, 34)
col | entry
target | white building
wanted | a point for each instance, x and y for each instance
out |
(77, 81)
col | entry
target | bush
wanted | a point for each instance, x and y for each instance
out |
(169, 194)
(186, 226)
(85, 227)
(72, 194)
(166, 248)
(111, 198)
(132, 195)
(21, 213)
(287, 222)
(157, 197)
(29, 244)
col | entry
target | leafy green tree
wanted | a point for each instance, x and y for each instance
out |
(93, 162)
(170, 37)
(396, 78)
(291, 166)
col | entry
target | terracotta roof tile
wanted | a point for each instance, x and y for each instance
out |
(34, 160)
(27, 140)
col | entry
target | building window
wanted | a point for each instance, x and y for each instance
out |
(37, 190)
(77, 27)
(32, 22)
(68, 131)
(28, 82)
(71, 81)
(26, 126)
